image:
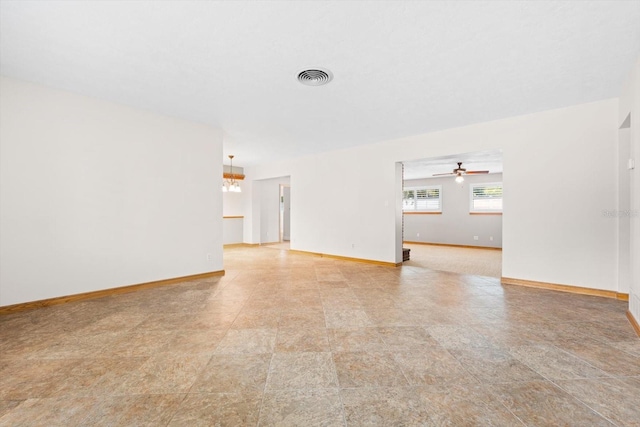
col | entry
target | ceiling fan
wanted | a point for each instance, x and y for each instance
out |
(459, 171)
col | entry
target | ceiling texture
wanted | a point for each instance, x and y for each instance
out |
(400, 68)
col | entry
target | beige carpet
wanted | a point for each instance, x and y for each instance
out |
(481, 262)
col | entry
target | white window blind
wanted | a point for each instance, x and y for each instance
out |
(425, 199)
(486, 197)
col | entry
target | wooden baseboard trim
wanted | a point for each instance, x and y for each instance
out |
(346, 258)
(622, 297)
(564, 288)
(634, 322)
(451, 245)
(8, 309)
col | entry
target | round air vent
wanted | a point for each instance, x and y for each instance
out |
(315, 77)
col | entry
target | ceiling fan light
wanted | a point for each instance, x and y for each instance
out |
(459, 179)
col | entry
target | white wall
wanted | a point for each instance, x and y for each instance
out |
(233, 203)
(232, 230)
(622, 214)
(455, 226)
(95, 195)
(630, 103)
(345, 202)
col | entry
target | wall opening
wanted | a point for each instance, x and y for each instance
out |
(285, 213)
(452, 218)
(268, 218)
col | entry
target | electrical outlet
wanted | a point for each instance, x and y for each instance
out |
(353, 245)
(475, 237)
(417, 234)
(491, 238)
(209, 257)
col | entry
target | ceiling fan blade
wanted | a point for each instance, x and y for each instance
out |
(475, 172)
(441, 174)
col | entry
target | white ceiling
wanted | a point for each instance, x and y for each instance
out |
(400, 68)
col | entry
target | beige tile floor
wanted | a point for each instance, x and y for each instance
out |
(280, 245)
(291, 339)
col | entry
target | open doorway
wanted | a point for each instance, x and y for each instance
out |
(452, 213)
(285, 213)
(274, 226)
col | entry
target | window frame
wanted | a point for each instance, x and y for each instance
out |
(472, 210)
(422, 187)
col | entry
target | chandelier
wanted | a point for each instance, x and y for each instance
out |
(230, 184)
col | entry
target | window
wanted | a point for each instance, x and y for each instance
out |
(486, 197)
(422, 199)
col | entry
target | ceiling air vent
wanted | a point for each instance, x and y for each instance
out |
(315, 77)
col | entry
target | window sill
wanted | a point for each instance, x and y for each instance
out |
(421, 213)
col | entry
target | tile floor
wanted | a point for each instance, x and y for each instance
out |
(295, 340)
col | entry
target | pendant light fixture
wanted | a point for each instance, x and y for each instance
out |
(459, 178)
(231, 185)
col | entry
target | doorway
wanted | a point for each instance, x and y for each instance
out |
(268, 218)
(452, 212)
(285, 213)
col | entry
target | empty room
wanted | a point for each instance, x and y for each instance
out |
(205, 208)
